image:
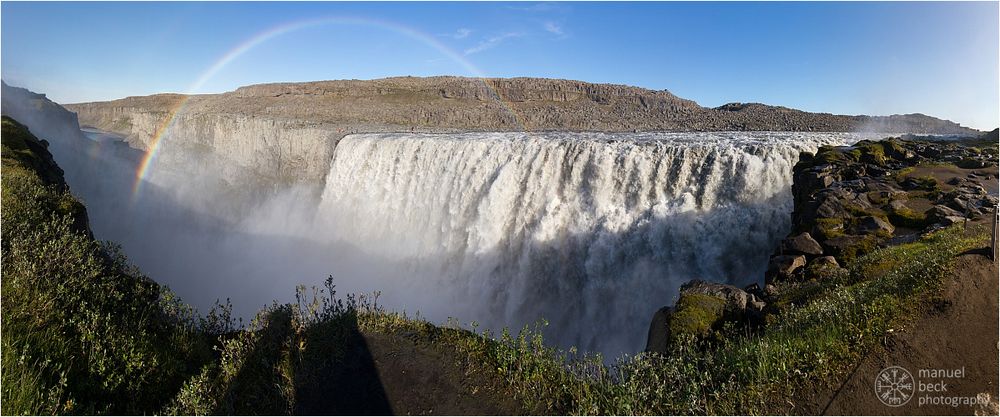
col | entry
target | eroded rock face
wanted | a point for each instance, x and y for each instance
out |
(287, 130)
(848, 201)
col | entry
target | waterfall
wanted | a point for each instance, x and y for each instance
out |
(592, 232)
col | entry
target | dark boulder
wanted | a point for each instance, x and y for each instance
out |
(784, 267)
(801, 244)
(701, 308)
(839, 245)
(658, 337)
(872, 224)
(944, 215)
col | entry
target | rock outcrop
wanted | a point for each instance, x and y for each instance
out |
(848, 201)
(288, 129)
(701, 308)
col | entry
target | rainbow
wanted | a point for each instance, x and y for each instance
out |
(161, 131)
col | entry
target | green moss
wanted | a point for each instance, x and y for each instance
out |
(865, 245)
(696, 314)
(904, 217)
(903, 173)
(821, 272)
(829, 155)
(830, 228)
(825, 155)
(869, 152)
(927, 183)
(893, 148)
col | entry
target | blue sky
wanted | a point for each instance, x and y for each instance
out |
(849, 58)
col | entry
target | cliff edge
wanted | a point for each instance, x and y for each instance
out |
(288, 130)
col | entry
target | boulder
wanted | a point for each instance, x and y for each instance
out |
(659, 335)
(955, 181)
(944, 214)
(824, 262)
(693, 314)
(702, 307)
(801, 244)
(837, 246)
(950, 220)
(822, 267)
(872, 224)
(783, 267)
(897, 205)
(736, 299)
(840, 203)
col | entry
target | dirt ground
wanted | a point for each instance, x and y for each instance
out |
(400, 374)
(959, 332)
(423, 379)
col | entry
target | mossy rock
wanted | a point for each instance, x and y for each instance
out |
(829, 228)
(696, 315)
(866, 244)
(905, 217)
(825, 155)
(869, 152)
(894, 149)
(972, 163)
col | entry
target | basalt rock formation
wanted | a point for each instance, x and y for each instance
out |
(848, 201)
(288, 129)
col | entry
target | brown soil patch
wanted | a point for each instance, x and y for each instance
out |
(420, 378)
(959, 331)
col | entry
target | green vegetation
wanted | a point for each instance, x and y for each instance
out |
(830, 228)
(868, 152)
(84, 332)
(904, 217)
(927, 183)
(865, 244)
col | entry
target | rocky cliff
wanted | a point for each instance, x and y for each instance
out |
(46, 118)
(289, 129)
(848, 201)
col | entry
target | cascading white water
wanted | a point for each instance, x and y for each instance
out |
(592, 232)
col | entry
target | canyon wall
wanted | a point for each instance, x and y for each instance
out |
(287, 130)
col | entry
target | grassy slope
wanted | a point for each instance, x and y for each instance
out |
(82, 331)
(85, 333)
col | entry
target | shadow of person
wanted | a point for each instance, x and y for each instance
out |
(337, 374)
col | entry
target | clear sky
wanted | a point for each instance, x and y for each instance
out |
(848, 58)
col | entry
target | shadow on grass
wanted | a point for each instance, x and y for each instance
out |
(336, 372)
